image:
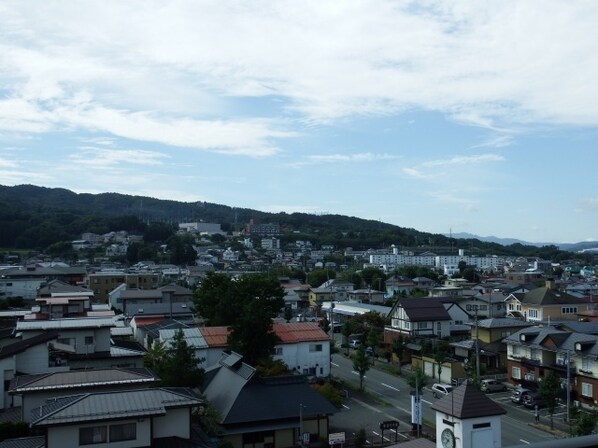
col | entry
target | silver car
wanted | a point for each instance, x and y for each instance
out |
(492, 386)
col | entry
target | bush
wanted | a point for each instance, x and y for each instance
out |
(331, 393)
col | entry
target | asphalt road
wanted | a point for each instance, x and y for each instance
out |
(394, 403)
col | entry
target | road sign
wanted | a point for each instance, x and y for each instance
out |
(336, 438)
(389, 424)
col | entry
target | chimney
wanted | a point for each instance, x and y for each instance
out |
(550, 283)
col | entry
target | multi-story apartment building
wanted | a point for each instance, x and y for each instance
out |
(101, 283)
(534, 351)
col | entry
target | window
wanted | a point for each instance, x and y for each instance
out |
(535, 354)
(277, 351)
(92, 434)
(88, 340)
(315, 347)
(569, 310)
(586, 390)
(530, 376)
(126, 431)
(516, 373)
(516, 350)
(586, 364)
(532, 313)
(506, 334)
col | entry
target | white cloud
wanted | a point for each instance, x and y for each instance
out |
(588, 205)
(100, 157)
(464, 160)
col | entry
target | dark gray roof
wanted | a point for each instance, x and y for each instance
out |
(425, 309)
(501, 322)
(110, 406)
(55, 286)
(466, 401)
(24, 344)
(74, 379)
(24, 442)
(547, 296)
(261, 401)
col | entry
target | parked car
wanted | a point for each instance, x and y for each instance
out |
(493, 386)
(370, 351)
(440, 390)
(518, 394)
(532, 399)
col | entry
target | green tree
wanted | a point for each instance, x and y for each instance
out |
(585, 423)
(417, 379)
(155, 355)
(361, 363)
(318, 276)
(246, 305)
(398, 348)
(179, 366)
(360, 438)
(288, 314)
(550, 389)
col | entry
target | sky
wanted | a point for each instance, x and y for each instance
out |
(457, 116)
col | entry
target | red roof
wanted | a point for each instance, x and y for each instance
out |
(294, 332)
(141, 321)
(215, 336)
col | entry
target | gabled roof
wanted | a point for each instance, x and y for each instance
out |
(295, 332)
(24, 344)
(546, 296)
(259, 401)
(74, 379)
(424, 309)
(502, 322)
(215, 336)
(111, 406)
(466, 401)
(58, 286)
(24, 442)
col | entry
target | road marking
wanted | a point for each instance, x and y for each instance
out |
(376, 434)
(390, 387)
(524, 441)
(427, 402)
(357, 373)
(365, 405)
(346, 407)
(335, 365)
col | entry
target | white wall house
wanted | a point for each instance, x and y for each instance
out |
(123, 419)
(304, 347)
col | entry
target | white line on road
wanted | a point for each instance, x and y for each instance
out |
(356, 373)
(524, 441)
(335, 365)
(390, 387)
(346, 407)
(427, 402)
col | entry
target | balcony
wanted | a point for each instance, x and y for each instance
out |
(530, 362)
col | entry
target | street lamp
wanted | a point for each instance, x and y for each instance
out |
(301, 406)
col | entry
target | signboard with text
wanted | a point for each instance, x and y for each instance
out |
(336, 438)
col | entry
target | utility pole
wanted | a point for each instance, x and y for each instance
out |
(477, 345)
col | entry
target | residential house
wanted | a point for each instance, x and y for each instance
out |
(253, 413)
(25, 282)
(128, 300)
(24, 356)
(132, 418)
(398, 285)
(425, 317)
(544, 304)
(533, 351)
(487, 337)
(336, 290)
(101, 283)
(366, 295)
(33, 391)
(304, 347)
(485, 304)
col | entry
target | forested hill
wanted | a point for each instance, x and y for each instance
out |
(34, 217)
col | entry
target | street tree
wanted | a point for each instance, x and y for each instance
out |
(398, 348)
(550, 389)
(417, 379)
(361, 364)
(585, 423)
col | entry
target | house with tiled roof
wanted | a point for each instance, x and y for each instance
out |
(304, 347)
(252, 411)
(134, 418)
(545, 304)
(425, 317)
(32, 391)
(534, 351)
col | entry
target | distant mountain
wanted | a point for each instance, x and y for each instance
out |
(33, 217)
(569, 247)
(494, 239)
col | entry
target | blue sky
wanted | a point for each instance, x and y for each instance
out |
(475, 117)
